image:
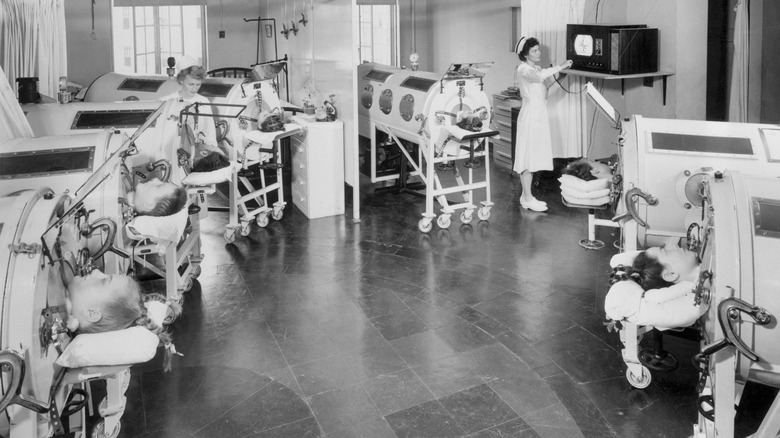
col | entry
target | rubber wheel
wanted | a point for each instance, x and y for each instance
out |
(187, 285)
(277, 214)
(262, 220)
(443, 221)
(483, 214)
(641, 382)
(230, 236)
(245, 229)
(466, 218)
(425, 225)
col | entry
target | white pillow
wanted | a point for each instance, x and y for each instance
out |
(206, 178)
(120, 347)
(585, 186)
(595, 202)
(624, 301)
(159, 228)
(573, 192)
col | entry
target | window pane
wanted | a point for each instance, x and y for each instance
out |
(377, 34)
(180, 29)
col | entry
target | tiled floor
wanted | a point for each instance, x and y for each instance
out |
(329, 328)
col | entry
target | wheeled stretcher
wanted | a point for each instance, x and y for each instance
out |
(252, 153)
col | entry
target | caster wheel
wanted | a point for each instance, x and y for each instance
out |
(591, 244)
(98, 431)
(640, 382)
(443, 221)
(425, 225)
(483, 214)
(245, 229)
(466, 217)
(230, 236)
(262, 220)
(196, 270)
(187, 285)
(277, 214)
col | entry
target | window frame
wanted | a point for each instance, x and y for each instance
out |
(159, 67)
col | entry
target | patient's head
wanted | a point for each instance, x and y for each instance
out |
(659, 267)
(587, 170)
(157, 198)
(100, 303)
(208, 157)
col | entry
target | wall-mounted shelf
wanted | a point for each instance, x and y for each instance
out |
(663, 74)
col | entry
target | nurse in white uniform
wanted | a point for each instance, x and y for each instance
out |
(533, 144)
(190, 79)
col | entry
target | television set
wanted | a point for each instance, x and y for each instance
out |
(618, 49)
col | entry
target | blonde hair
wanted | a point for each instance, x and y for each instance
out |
(196, 71)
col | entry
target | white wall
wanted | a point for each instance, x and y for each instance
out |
(469, 31)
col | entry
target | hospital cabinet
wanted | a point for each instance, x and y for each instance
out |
(318, 167)
(503, 147)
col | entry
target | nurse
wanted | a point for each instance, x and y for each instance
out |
(533, 144)
(190, 80)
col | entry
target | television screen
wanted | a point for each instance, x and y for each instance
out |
(583, 45)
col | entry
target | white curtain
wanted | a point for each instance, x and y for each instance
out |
(13, 124)
(738, 88)
(32, 42)
(546, 20)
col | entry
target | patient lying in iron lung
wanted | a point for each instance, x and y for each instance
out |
(208, 158)
(98, 303)
(157, 198)
(660, 267)
(588, 170)
(665, 295)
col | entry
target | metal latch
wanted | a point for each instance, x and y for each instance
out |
(25, 248)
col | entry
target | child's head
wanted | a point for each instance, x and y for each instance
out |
(99, 303)
(581, 169)
(588, 170)
(158, 198)
(660, 267)
(208, 157)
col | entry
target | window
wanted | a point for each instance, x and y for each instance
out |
(379, 34)
(155, 33)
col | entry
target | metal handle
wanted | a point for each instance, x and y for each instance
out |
(13, 363)
(109, 225)
(165, 165)
(729, 311)
(631, 202)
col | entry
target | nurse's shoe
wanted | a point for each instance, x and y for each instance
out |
(533, 205)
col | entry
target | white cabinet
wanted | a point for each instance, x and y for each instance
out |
(318, 167)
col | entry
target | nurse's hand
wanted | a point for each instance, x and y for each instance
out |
(566, 64)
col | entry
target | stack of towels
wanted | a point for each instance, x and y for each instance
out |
(580, 192)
